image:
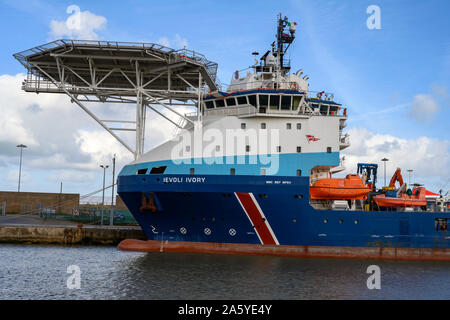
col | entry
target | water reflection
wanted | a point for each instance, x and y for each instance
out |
(39, 272)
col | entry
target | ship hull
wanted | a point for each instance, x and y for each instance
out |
(383, 253)
(266, 211)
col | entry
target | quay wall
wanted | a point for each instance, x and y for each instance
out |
(68, 235)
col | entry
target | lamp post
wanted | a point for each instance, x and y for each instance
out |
(21, 146)
(385, 160)
(111, 214)
(103, 197)
(409, 176)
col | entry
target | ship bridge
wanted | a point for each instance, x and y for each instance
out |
(145, 74)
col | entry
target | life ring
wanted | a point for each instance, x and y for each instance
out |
(293, 85)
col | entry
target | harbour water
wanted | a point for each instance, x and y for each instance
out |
(40, 272)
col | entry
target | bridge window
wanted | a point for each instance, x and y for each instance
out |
(328, 149)
(209, 104)
(324, 109)
(299, 149)
(231, 102)
(242, 100)
(263, 100)
(299, 126)
(220, 103)
(286, 103)
(263, 125)
(288, 126)
(243, 126)
(334, 110)
(274, 102)
(158, 170)
(296, 102)
(142, 171)
(252, 100)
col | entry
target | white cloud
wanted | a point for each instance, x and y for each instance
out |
(80, 25)
(176, 42)
(429, 158)
(424, 107)
(63, 141)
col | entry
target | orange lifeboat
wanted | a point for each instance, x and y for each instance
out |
(351, 188)
(416, 200)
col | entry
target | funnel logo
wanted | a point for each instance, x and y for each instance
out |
(311, 138)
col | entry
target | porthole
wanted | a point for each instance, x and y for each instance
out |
(356, 221)
(300, 196)
(325, 221)
(295, 196)
(341, 221)
(294, 220)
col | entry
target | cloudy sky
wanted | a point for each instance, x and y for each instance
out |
(393, 80)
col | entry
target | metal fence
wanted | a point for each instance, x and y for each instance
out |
(92, 215)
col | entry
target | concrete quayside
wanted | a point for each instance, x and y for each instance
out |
(34, 230)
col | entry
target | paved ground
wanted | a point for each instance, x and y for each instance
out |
(35, 220)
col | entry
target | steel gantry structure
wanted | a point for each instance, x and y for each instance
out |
(144, 74)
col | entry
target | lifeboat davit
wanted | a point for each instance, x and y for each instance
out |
(351, 188)
(416, 200)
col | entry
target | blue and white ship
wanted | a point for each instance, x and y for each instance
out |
(237, 178)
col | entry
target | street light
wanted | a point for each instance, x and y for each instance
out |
(385, 160)
(111, 214)
(409, 176)
(103, 197)
(21, 146)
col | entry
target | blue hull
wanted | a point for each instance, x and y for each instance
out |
(211, 208)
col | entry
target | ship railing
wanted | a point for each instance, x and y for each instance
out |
(345, 139)
(35, 82)
(262, 84)
(321, 95)
(193, 56)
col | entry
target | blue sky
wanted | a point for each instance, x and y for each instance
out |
(394, 81)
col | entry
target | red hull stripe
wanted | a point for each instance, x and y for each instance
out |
(257, 218)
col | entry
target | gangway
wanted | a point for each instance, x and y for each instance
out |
(144, 74)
